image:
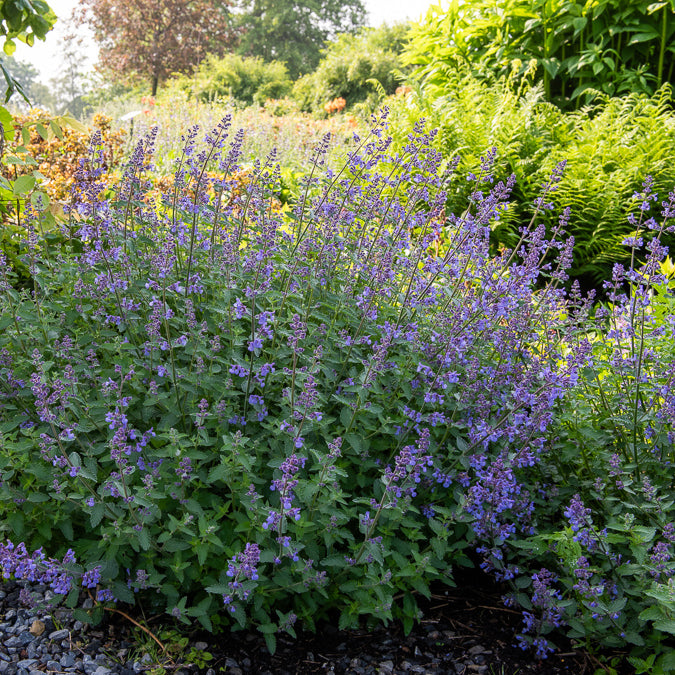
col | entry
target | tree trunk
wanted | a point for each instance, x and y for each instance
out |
(155, 82)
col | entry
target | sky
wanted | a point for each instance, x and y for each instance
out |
(45, 55)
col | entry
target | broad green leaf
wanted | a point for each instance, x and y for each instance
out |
(71, 122)
(7, 122)
(96, 514)
(665, 625)
(82, 615)
(643, 37)
(56, 129)
(23, 184)
(271, 642)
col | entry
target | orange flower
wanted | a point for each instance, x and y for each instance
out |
(335, 106)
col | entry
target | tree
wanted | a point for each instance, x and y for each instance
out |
(24, 21)
(296, 32)
(155, 38)
(71, 86)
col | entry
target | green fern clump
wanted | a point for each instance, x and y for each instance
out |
(608, 147)
(613, 143)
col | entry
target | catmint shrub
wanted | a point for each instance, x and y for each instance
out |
(605, 519)
(229, 410)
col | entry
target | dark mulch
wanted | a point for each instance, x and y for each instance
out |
(465, 630)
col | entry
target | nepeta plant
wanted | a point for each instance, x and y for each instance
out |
(607, 530)
(262, 416)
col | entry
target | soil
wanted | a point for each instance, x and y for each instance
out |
(465, 631)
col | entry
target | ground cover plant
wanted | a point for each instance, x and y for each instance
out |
(250, 416)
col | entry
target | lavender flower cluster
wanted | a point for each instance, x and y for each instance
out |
(249, 409)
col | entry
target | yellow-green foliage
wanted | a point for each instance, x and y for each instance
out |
(357, 68)
(245, 79)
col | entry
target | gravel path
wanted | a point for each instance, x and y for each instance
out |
(463, 634)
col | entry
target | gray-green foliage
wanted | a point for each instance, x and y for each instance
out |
(246, 79)
(609, 147)
(358, 68)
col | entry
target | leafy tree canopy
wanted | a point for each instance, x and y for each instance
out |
(296, 32)
(155, 38)
(22, 20)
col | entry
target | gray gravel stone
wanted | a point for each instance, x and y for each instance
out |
(59, 634)
(26, 663)
(67, 660)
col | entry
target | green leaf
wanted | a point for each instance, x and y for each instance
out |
(121, 592)
(206, 622)
(665, 625)
(71, 122)
(643, 534)
(56, 129)
(23, 184)
(220, 472)
(218, 589)
(271, 642)
(7, 122)
(72, 597)
(356, 442)
(347, 620)
(176, 545)
(643, 37)
(144, 539)
(9, 47)
(82, 615)
(634, 638)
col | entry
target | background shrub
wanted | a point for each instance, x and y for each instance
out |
(58, 154)
(613, 46)
(248, 80)
(605, 145)
(357, 68)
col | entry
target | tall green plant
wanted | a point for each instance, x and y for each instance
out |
(606, 147)
(614, 46)
(245, 79)
(358, 68)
